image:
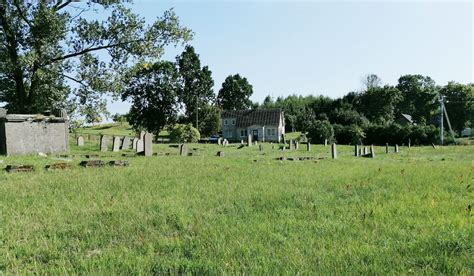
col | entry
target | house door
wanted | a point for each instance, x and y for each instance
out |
(255, 135)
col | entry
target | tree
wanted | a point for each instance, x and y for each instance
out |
(119, 118)
(184, 134)
(320, 130)
(372, 81)
(418, 96)
(210, 120)
(154, 95)
(46, 44)
(459, 104)
(197, 84)
(235, 93)
(378, 104)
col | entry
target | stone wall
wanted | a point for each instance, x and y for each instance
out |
(28, 134)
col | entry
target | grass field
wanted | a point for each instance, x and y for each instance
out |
(243, 213)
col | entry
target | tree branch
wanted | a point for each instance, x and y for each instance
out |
(61, 5)
(74, 79)
(20, 12)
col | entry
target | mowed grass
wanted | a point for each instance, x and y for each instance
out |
(243, 213)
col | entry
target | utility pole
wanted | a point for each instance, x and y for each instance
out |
(197, 111)
(441, 127)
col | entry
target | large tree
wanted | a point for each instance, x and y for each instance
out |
(418, 96)
(379, 104)
(459, 104)
(153, 92)
(235, 93)
(45, 45)
(197, 85)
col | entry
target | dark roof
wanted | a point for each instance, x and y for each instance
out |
(261, 117)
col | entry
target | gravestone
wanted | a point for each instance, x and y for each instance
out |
(58, 166)
(104, 143)
(241, 142)
(386, 148)
(19, 168)
(297, 145)
(292, 145)
(249, 140)
(80, 141)
(92, 163)
(372, 151)
(325, 142)
(134, 143)
(125, 143)
(396, 149)
(142, 134)
(365, 150)
(434, 146)
(116, 144)
(360, 151)
(409, 143)
(225, 143)
(260, 147)
(356, 150)
(140, 146)
(183, 150)
(334, 151)
(308, 146)
(283, 137)
(148, 144)
(220, 154)
(219, 141)
(119, 163)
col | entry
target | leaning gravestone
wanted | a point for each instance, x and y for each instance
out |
(308, 146)
(103, 143)
(147, 139)
(183, 150)
(334, 151)
(80, 141)
(140, 146)
(249, 140)
(134, 143)
(125, 143)
(116, 144)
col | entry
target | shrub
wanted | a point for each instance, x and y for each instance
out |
(184, 134)
(351, 134)
(320, 130)
(397, 134)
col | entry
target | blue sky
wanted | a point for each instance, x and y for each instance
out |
(323, 48)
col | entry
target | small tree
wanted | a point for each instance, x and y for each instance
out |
(184, 134)
(320, 130)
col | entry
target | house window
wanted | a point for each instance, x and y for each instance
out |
(243, 133)
(270, 132)
(233, 122)
(225, 122)
(228, 134)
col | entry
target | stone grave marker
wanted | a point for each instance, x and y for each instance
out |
(292, 145)
(386, 148)
(134, 143)
(116, 144)
(119, 163)
(396, 149)
(125, 143)
(183, 150)
(325, 142)
(58, 166)
(260, 147)
(308, 146)
(104, 140)
(19, 168)
(80, 141)
(148, 144)
(142, 134)
(241, 142)
(334, 151)
(372, 151)
(220, 154)
(283, 137)
(219, 141)
(356, 150)
(409, 143)
(140, 146)
(366, 150)
(297, 145)
(249, 140)
(434, 146)
(92, 163)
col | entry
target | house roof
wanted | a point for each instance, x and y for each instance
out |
(261, 117)
(407, 117)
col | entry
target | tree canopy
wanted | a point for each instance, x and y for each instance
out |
(235, 93)
(46, 45)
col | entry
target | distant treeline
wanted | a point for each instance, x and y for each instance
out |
(371, 115)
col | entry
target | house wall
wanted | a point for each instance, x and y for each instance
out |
(28, 137)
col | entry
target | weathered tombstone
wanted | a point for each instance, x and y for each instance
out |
(386, 148)
(325, 142)
(297, 145)
(80, 141)
(104, 143)
(220, 154)
(183, 150)
(116, 144)
(372, 151)
(409, 143)
(134, 143)
(241, 142)
(58, 166)
(249, 140)
(148, 144)
(219, 141)
(283, 137)
(433, 145)
(142, 134)
(308, 146)
(365, 150)
(396, 149)
(260, 147)
(225, 143)
(356, 150)
(255, 143)
(140, 146)
(292, 145)
(334, 151)
(360, 151)
(125, 143)
(88, 137)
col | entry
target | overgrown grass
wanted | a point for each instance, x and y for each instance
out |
(244, 213)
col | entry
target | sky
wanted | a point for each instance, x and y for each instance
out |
(323, 48)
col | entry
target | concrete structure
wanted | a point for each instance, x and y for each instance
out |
(261, 124)
(29, 134)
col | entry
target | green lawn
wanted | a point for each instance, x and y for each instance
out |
(243, 213)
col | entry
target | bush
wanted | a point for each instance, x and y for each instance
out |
(184, 134)
(320, 130)
(397, 134)
(349, 135)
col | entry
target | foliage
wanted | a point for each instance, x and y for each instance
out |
(210, 120)
(47, 45)
(196, 90)
(418, 96)
(235, 93)
(320, 130)
(120, 118)
(379, 104)
(397, 134)
(348, 134)
(184, 134)
(154, 95)
(459, 104)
